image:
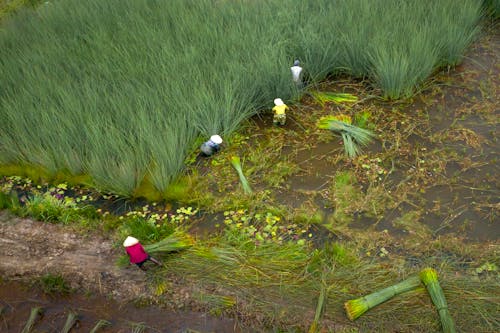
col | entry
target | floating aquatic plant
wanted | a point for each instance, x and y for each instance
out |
(353, 136)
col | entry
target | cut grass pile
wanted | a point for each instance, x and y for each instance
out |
(121, 90)
(291, 285)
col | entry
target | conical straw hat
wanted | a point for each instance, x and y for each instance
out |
(129, 241)
(278, 102)
(216, 139)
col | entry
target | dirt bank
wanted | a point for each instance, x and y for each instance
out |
(30, 249)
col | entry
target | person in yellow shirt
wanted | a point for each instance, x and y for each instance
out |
(279, 110)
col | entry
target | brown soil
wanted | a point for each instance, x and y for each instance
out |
(31, 248)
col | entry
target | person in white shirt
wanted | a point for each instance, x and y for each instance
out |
(296, 73)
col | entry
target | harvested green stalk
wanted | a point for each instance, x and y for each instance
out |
(100, 324)
(430, 279)
(138, 328)
(70, 322)
(356, 307)
(319, 309)
(34, 315)
(352, 136)
(175, 242)
(325, 97)
(236, 162)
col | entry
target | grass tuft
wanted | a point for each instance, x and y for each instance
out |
(99, 325)
(35, 314)
(70, 322)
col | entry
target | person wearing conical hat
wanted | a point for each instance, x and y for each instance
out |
(137, 254)
(279, 110)
(211, 146)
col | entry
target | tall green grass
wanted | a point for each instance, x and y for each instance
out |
(121, 90)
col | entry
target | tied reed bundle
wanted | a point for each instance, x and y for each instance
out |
(352, 136)
(430, 280)
(236, 162)
(325, 97)
(355, 308)
(175, 242)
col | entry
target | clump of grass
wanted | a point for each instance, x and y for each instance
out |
(355, 308)
(145, 229)
(35, 314)
(352, 136)
(70, 322)
(53, 284)
(9, 201)
(430, 280)
(53, 207)
(236, 162)
(138, 327)
(99, 325)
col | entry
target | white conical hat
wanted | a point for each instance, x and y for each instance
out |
(278, 102)
(216, 139)
(129, 241)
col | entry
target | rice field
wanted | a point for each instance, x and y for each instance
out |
(122, 91)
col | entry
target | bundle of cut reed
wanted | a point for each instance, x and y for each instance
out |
(100, 324)
(177, 241)
(236, 162)
(355, 308)
(34, 315)
(70, 322)
(319, 309)
(430, 280)
(352, 136)
(323, 97)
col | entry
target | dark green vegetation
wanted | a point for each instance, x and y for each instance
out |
(52, 284)
(121, 90)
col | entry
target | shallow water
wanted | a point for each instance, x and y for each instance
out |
(18, 301)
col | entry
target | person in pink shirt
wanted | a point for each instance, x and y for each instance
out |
(137, 254)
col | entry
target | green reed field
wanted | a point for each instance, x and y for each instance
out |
(122, 90)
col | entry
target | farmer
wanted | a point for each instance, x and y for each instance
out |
(137, 254)
(296, 71)
(211, 146)
(279, 112)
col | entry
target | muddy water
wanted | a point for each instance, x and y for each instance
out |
(17, 301)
